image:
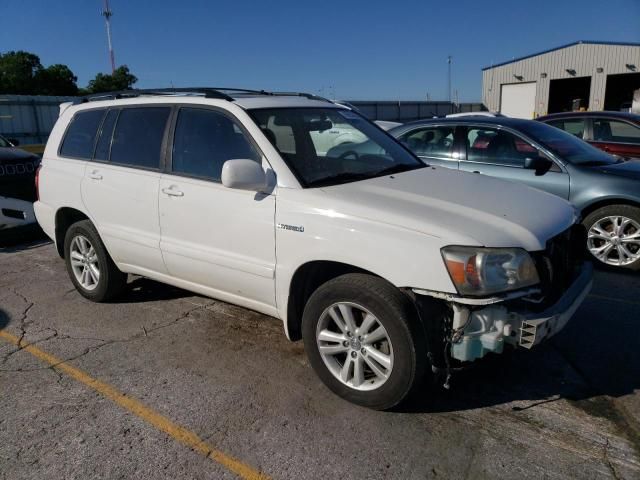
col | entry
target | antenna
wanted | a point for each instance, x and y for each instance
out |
(107, 14)
(449, 58)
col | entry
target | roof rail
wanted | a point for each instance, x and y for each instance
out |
(222, 93)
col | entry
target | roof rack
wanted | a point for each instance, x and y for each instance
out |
(208, 92)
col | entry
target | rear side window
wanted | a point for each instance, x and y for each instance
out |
(81, 135)
(615, 131)
(106, 132)
(137, 139)
(573, 126)
(430, 142)
(204, 140)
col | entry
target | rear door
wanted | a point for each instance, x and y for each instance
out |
(617, 137)
(214, 236)
(120, 186)
(500, 153)
(435, 144)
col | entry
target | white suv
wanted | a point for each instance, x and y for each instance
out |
(387, 268)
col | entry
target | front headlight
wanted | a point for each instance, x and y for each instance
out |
(481, 271)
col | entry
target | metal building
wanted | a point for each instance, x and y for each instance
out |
(581, 75)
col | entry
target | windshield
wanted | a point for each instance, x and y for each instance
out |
(328, 146)
(4, 143)
(567, 146)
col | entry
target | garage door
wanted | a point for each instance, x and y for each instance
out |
(518, 100)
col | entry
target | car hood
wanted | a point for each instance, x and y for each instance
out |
(629, 168)
(458, 207)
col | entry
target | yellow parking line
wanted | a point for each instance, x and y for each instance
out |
(136, 407)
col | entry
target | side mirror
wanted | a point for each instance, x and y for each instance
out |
(538, 163)
(243, 174)
(13, 142)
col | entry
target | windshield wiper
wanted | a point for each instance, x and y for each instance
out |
(403, 167)
(346, 177)
(339, 178)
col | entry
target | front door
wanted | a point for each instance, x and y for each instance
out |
(216, 237)
(499, 153)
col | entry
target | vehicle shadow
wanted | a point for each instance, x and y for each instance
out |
(22, 238)
(4, 319)
(595, 355)
(142, 289)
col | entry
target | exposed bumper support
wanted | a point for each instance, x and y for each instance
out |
(487, 327)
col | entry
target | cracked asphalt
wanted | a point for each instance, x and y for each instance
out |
(567, 409)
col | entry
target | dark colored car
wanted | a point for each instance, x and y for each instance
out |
(17, 171)
(17, 185)
(605, 189)
(617, 133)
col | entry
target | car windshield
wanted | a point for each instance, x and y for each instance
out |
(4, 143)
(567, 146)
(329, 146)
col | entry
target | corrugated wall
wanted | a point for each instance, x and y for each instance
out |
(584, 58)
(29, 119)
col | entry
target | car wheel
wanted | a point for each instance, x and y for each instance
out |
(90, 267)
(613, 236)
(362, 340)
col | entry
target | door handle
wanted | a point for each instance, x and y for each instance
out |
(95, 175)
(477, 171)
(172, 192)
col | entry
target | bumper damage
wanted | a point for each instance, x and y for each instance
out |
(482, 326)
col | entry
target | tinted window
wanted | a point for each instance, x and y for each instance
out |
(488, 145)
(106, 132)
(573, 126)
(204, 140)
(615, 131)
(81, 134)
(137, 139)
(430, 142)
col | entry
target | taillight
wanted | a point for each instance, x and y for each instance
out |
(38, 182)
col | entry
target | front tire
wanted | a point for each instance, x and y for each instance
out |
(613, 236)
(89, 265)
(362, 338)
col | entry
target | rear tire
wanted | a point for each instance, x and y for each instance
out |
(373, 351)
(89, 265)
(613, 236)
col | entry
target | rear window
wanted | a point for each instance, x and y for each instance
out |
(137, 139)
(80, 138)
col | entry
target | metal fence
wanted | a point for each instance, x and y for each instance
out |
(399, 111)
(29, 119)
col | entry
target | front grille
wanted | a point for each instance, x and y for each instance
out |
(558, 265)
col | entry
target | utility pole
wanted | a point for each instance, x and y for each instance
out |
(449, 58)
(107, 14)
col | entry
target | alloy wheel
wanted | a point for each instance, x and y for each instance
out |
(615, 240)
(84, 262)
(354, 346)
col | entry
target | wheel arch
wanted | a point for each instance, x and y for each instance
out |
(65, 217)
(306, 280)
(607, 202)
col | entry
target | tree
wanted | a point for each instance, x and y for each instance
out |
(18, 71)
(121, 79)
(56, 80)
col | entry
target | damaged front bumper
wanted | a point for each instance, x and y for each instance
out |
(480, 326)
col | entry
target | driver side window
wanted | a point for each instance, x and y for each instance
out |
(435, 142)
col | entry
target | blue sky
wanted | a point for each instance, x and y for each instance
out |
(349, 49)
